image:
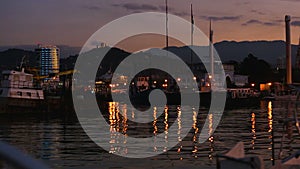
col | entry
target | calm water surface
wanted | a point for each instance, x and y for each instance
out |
(59, 140)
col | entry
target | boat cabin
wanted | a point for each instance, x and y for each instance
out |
(16, 84)
(240, 93)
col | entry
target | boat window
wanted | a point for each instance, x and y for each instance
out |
(5, 77)
(28, 94)
(19, 93)
(28, 78)
(16, 77)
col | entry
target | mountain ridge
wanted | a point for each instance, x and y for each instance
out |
(269, 51)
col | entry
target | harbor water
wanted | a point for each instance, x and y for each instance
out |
(58, 139)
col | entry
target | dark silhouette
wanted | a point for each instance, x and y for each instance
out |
(259, 71)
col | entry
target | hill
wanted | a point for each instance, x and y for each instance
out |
(269, 51)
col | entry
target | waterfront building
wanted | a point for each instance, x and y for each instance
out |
(48, 59)
(232, 78)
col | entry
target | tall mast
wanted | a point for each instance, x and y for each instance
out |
(297, 65)
(211, 51)
(288, 50)
(167, 29)
(192, 33)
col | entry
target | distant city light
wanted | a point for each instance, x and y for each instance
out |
(194, 78)
(178, 79)
(252, 84)
(269, 84)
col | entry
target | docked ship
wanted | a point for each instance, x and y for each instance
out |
(18, 94)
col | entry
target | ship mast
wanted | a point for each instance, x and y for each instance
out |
(288, 50)
(192, 34)
(211, 51)
(22, 63)
(167, 29)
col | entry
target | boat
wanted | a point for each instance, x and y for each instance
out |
(239, 97)
(284, 92)
(235, 158)
(141, 88)
(17, 92)
(241, 93)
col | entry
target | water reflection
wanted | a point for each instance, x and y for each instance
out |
(270, 122)
(120, 124)
(195, 136)
(290, 135)
(179, 129)
(61, 139)
(270, 117)
(124, 121)
(253, 130)
(211, 138)
(166, 128)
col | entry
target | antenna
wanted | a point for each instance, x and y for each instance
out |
(167, 20)
(192, 33)
(211, 51)
(22, 62)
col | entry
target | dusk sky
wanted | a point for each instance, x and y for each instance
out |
(72, 22)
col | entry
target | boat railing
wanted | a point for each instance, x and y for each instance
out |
(17, 84)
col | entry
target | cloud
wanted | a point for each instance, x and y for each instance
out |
(254, 21)
(182, 14)
(270, 23)
(291, 0)
(136, 7)
(282, 19)
(221, 18)
(257, 12)
(92, 7)
(173, 11)
(295, 23)
(279, 20)
(163, 8)
(242, 3)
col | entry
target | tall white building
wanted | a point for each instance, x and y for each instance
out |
(48, 59)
